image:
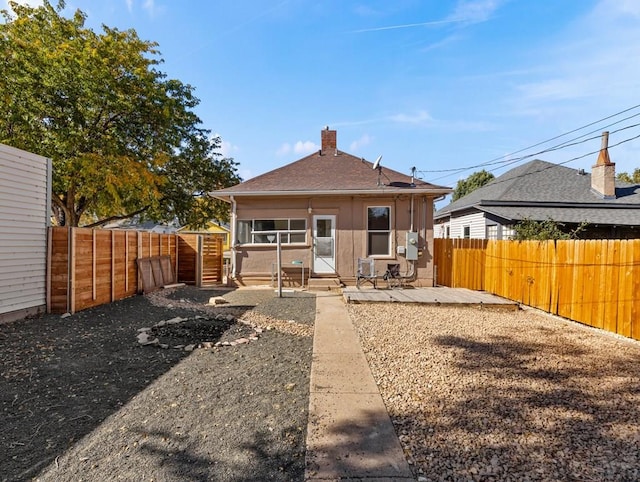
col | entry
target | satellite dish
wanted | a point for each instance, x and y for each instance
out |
(376, 164)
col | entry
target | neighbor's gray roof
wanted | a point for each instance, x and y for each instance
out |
(541, 190)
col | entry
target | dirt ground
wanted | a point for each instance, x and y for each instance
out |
(81, 399)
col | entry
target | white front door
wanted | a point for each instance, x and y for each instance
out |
(324, 244)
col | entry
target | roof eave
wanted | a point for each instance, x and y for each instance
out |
(227, 195)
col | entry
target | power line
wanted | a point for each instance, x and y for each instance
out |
(551, 166)
(502, 160)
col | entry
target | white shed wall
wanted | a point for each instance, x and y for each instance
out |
(25, 181)
(476, 223)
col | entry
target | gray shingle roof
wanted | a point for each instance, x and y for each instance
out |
(331, 172)
(541, 190)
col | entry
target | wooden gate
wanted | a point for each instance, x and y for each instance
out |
(211, 255)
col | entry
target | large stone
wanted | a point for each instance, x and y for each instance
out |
(175, 321)
(218, 300)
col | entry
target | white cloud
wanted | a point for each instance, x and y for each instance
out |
(149, 6)
(299, 148)
(245, 174)
(466, 12)
(590, 60)
(284, 149)
(306, 147)
(129, 5)
(419, 117)
(227, 149)
(475, 11)
(364, 140)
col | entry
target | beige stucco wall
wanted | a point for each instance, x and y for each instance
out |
(253, 263)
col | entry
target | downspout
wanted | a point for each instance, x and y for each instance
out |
(234, 231)
(411, 229)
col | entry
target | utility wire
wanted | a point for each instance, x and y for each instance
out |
(502, 160)
(564, 162)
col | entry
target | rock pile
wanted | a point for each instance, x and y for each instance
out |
(150, 336)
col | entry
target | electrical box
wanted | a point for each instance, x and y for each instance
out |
(412, 246)
(400, 250)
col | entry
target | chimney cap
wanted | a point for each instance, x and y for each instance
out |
(603, 156)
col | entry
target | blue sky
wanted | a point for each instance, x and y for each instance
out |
(435, 84)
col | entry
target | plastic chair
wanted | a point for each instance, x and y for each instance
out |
(366, 272)
(393, 277)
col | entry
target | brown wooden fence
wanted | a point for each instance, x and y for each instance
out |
(596, 282)
(90, 267)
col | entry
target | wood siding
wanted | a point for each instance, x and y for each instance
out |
(595, 282)
(25, 180)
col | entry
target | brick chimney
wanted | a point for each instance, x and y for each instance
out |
(603, 173)
(329, 141)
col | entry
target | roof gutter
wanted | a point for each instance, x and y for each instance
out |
(228, 196)
(551, 204)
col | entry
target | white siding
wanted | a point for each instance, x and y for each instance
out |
(25, 180)
(476, 223)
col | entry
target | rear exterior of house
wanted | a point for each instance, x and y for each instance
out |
(329, 209)
(25, 183)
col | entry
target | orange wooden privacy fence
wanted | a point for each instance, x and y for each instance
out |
(90, 267)
(460, 262)
(596, 282)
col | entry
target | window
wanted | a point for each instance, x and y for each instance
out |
(378, 231)
(492, 231)
(466, 232)
(508, 232)
(264, 231)
(447, 232)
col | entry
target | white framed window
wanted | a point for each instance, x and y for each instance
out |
(492, 231)
(378, 231)
(466, 232)
(265, 231)
(508, 232)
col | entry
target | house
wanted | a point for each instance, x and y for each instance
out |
(539, 191)
(25, 215)
(220, 229)
(329, 209)
(134, 224)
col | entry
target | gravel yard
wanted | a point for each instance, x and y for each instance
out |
(509, 396)
(82, 400)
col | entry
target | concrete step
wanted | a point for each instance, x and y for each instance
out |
(324, 284)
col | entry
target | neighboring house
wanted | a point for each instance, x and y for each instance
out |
(135, 225)
(212, 227)
(25, 214)
(330, 209)
(539, 191)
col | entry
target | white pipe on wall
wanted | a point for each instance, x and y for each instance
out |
(234, 231)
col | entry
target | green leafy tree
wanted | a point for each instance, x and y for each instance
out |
(529, 229)
(123, 138)
(471, 183)
(633, 178)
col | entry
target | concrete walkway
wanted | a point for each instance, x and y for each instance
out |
(350, 435)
